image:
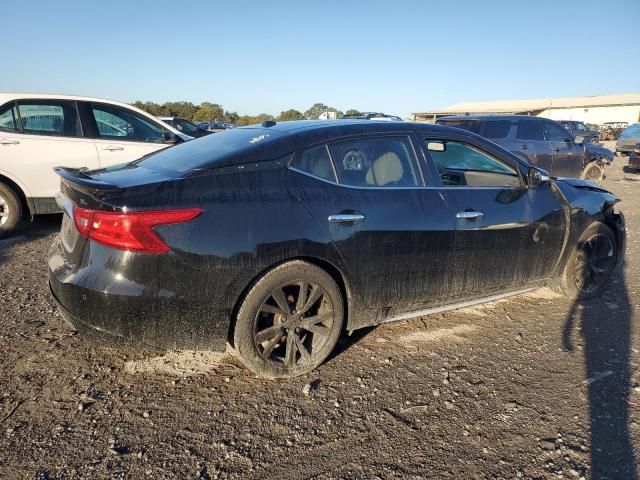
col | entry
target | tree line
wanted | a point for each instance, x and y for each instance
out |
(214, 112)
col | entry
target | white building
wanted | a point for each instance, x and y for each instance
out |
(597, 109)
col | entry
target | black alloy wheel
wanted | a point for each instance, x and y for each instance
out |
(595, 261)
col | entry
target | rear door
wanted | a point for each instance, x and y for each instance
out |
(35, 136)
(531, 144)
(123, 135)
(395, 234)
(568, 158)
(507, 235)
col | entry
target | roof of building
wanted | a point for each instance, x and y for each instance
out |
(532, 105)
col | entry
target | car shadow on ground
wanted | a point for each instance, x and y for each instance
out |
(604, 325)
(27, 231)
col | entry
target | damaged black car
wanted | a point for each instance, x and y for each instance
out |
(275, 239)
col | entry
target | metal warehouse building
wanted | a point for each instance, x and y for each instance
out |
(597, 109)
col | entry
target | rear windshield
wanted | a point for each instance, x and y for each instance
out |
(204, 151)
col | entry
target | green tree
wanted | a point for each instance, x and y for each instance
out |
(152, 108)
(352, 111)
(231, 117)
(318, 109)
(209, 112)
(290, 114)
(181, 109)
(253, 119)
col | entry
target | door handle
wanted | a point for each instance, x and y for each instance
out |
(557, 149)
(346, 218)
(113, 148)
(8, 141)
(469, 215)
(525, 147)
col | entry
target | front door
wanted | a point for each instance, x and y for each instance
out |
(123, 135)
(507, 235)
(568, 158)
(395, 235)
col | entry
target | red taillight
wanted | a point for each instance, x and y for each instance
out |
(131, 231)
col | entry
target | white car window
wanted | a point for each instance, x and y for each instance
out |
(44, 117)
(9, 118)
(121, 124)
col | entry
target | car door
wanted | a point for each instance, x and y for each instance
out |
(123, 135)
(395, 235)
(507, 235)
(37, 135)
(568, 157)
(531, 144)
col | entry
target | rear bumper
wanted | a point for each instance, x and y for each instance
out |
(163, 311)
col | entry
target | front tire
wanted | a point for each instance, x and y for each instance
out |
(593, 172)
(289, 321)
(10, 210)
(591, 264)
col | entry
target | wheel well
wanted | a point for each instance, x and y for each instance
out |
(18, 191)
(328, 267)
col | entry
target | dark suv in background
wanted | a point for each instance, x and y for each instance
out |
(579, 128)
(541, 142)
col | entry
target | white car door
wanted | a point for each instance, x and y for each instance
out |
(124, 135)
(37, 135)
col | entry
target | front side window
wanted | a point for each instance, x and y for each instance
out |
(376, 162)
(9, 118)
(462, 165)
(59, 118)
(580, 127)
(530, 130)
(316, 161)
(121, 124)
(555, 133)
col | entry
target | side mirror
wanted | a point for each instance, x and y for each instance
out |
(536, 177)
(170, 138)
(578, 139)
(436, 146)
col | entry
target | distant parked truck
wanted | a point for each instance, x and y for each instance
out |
(579, 128)
(612, 130)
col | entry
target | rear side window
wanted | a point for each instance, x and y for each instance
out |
(530, 130)
(9, 118)
(42, 117)
(376, 162)
(316, 161)
(496, 128)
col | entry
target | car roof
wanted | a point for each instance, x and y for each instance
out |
(488, 117)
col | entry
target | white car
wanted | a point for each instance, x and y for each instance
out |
(40, 131)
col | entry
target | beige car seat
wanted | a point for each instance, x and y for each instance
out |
(386, 169)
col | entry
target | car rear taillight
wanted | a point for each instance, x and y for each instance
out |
(131, 231)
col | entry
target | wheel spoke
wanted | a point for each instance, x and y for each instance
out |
(280, 298)
(306, 356)
(268, 333)
(307, 323)
(271, 309)
(4, 213)
(290, 352)
(266, 352)
(302, 296)
(318, 329)
(316, 293)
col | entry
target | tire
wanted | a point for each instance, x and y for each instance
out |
(10, 210)
(597, 242)
(274, 335)
(593, 172)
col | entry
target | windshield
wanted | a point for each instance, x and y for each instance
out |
(207, 150)
(632, 131)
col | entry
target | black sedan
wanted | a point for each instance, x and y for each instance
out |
(277, 238)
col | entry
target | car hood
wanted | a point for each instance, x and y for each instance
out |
(597, 150)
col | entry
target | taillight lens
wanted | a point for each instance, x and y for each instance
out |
(131, 231)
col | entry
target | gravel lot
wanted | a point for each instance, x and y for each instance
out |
(532, 387)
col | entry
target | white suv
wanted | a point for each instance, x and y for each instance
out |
(39, 132)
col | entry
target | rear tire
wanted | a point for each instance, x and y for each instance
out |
(10, 210)
(591, 264)
(593, 172)
(289, 321)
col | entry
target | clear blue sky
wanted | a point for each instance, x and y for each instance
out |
(396, 56)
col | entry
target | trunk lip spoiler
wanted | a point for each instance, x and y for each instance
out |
(78, 177)
(65, 203)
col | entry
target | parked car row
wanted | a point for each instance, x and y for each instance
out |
(277, 238)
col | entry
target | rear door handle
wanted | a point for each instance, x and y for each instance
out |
(557, 149)
(346, 218)
(113, 148)
(8, 141)
(525, 147)
(469, 215)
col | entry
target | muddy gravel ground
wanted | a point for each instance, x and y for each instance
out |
(531, 387)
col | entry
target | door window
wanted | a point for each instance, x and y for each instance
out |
(41, 117)
(530, 130)
(496, 128)
(376, 162)
(317, 162)
(120, 124)
(555, 133)
(462, 165)
(9, 118)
